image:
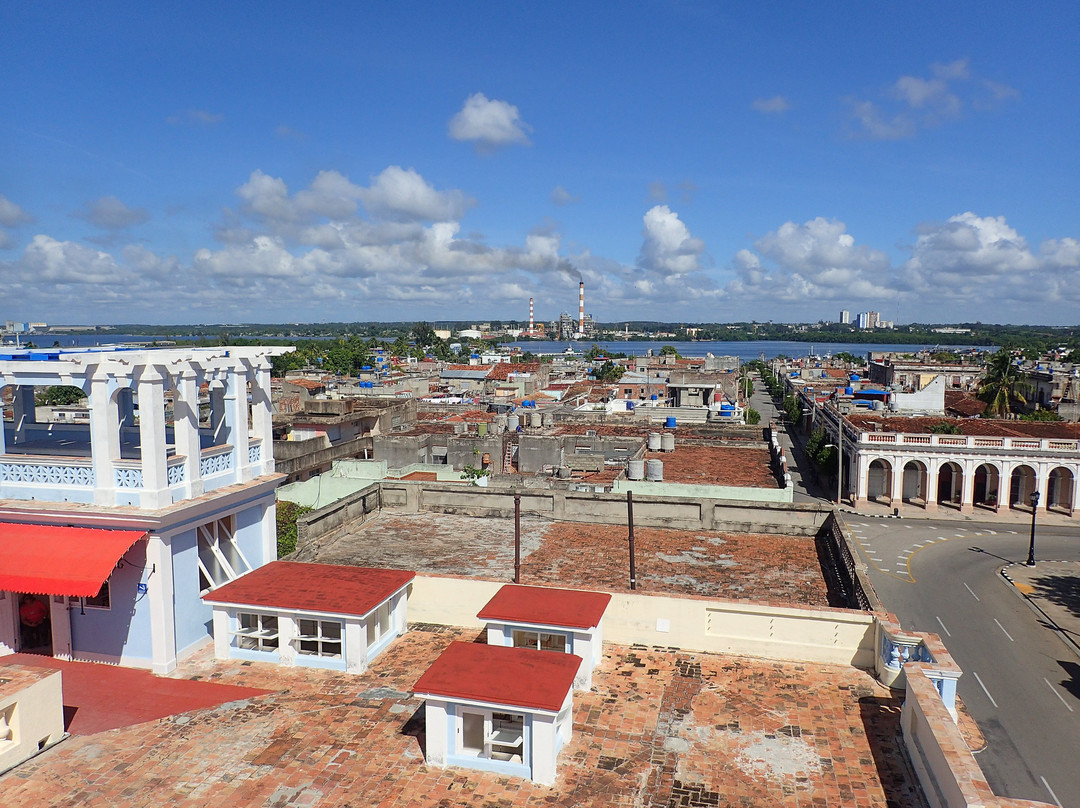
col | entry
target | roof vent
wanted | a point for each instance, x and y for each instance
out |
(590, 433)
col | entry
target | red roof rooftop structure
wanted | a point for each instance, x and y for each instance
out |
(543, 606)
(326, 588)
(495, 674)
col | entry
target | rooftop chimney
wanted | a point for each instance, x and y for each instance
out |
(530, 315)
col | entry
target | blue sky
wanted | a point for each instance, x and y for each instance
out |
(242, 162)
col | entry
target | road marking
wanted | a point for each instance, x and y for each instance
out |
(977, 533)
(1057, 694)
(968, 588)
(1057, 802)
(1007, 634)
(987, 692)
(1013, 532)
(907, 552)
(878, 560)
(908, 527)
(943, 626)
(923, 544)
(959, 536)
(992, 532)
(941, 538)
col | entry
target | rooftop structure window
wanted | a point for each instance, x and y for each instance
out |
(220, 557)
(319, 638)
(540, 640)
(256, 632)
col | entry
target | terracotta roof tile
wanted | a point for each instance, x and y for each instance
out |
(323, 588)
(544, 606)
(502, 370)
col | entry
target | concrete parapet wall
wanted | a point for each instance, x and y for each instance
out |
(827, 636)
(31, 714)
(947, 770)
(315, 527)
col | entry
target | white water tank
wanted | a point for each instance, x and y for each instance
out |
(654, 441)
(536, 419)
(500, 424)
(512, 423)
(654, 470)
(667, 442)
(635, 470)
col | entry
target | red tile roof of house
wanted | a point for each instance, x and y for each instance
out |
(501, 371)
(307, 384)
(983, 427)
(961, 403)
(467, 367)
(496, 674)
(326, 588)
(541, 606)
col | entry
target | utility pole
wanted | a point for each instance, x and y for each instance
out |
(517, 538)
(630, 522)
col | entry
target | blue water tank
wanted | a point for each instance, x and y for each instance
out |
(629, 405)
(366, 367)
(854, 377)
(654, 396)
(849, 390)
(670, 422)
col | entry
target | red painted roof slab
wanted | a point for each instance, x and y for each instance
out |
(545, 606)
(496, 674)
(52, 560)
(328, 588)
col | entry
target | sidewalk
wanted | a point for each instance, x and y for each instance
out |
(1053, 588)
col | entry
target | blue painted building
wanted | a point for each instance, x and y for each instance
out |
(175, 466)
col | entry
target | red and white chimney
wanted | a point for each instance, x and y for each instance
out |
(581, 308)
(531, 326)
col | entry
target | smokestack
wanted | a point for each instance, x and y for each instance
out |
(530, 315)
(581, 308)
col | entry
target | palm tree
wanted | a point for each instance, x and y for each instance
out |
(1002, 383)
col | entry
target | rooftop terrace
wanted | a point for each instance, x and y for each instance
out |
(659, 728)
(780, 569)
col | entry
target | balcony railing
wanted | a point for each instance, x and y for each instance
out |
(971, 442)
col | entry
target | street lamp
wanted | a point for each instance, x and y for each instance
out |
(1031, 546)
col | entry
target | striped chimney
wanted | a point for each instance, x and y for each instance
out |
(530, 315)
(581, 307)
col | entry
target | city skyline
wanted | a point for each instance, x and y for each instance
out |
(686, 161)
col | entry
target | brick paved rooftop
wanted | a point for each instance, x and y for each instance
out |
(778, 569)
(717, 465)
(659, 728)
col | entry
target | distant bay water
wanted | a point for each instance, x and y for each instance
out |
(744, 350)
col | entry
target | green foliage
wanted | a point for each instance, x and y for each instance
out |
(59, 396)
(670, 350)
(752, 416)
(1041, 415)
(609, 372)
(821, 453)
(1073, 356)
(945, 357)
(1002, 384)
(850, 358)
(792, 409)
(946, 428)
(474, 473)
(287, 532)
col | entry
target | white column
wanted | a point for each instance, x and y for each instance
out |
(897, 496)
(222, 627)
(158, 576)
(287, 631)
(541, 750)
(152, 447)
(356, 651)
(1042, 484)
(862, 470)
(437, 734)
(24, 410)
(268, 526)
(104, 440)
(236, 418)
(262, 416)
(186, 429)
(967, 492)
(930, 495)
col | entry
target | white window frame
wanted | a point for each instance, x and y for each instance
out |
(263, 634)
(538, 643)
(379, 624)
(323, 643)
(499, 732)
(220, 557)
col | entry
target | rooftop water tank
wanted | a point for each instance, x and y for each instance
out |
(512, 423)
(536, 419)
(654, 471)
(670, 422)
(667, 442)
(654, 441)
(635, 470)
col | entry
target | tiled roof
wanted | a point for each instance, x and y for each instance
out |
(538, 605)
(501, 372)
(484, 368)
(495, 674)
(307, 384)
(325, 588)
(962, 404)
(717, 465)
(985, 427)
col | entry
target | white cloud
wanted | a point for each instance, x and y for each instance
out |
(669, 249)
(11, 215)
(562, 197)
(489, 124)
(399, 193)
(195, 117)
(913, 103)
(66, 262)
(109, 213)
(774, 105)
(818, 259)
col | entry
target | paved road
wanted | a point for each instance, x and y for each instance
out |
(1021, 681)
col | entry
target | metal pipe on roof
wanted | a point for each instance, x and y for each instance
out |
(630, 522)
(517, 538)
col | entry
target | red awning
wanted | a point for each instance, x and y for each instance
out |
(48, 560)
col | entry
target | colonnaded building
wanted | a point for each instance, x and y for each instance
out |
(118, 519)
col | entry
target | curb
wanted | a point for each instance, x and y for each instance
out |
(872, 515)
(1062, 633)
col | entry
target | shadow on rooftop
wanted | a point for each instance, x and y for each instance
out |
(416, 728)
(881, 722)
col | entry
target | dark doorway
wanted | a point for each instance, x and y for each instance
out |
(35, 625)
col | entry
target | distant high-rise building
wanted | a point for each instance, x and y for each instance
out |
(845, 317)
(867, 319)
